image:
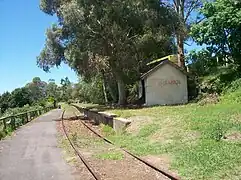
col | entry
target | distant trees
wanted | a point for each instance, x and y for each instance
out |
(37, 89)
(20, 97)
(37, 92)
(53, 90)
(66, 89)
(5, 99)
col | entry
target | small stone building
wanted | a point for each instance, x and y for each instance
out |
(165, 84)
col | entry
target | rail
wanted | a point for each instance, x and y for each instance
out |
(81, 157)
(14, 121)
(166, 173)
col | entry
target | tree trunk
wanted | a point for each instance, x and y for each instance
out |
(117, 73)
(112, 88)
(105, 93)
(180, 49)
(104, 87)
(121, 91)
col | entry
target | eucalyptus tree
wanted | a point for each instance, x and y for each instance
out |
(187, 12)
(112, 36)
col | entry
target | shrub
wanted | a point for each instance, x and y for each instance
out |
(232, 93)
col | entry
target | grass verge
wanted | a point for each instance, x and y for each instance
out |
(192, 134)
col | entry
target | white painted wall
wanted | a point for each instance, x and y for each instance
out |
(166, 86)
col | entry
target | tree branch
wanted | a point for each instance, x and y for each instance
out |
(200, 20)
(187, 44)
(175, 5)
(193, 5)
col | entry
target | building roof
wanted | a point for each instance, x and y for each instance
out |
(172, 58)
(160, 65)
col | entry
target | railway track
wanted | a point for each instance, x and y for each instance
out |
(95, 175)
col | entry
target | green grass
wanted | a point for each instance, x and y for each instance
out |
(110, 156)
(107, 130)
(7, 132)
(191, 134)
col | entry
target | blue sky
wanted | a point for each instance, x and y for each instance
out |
(22, 35)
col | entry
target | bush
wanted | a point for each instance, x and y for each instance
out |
(192, 83)
(92, 91)
(13, 111)
(201, 62)
(107, 130)
(231, 94)
(219, 81)
(2, 134)
(209, 99)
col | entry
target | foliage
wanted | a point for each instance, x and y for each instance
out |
(17, 110)
(219, 80)
(192, 86)
(133, 93)
(53, 91)
(34, 94)
(107, 130)
(37, 89)
(5, 101)
(20, 97)
(232, 93)
(91, 92)
(201, 62)
(116, 37)
(66, 89)
(220, 30)
(2, 134)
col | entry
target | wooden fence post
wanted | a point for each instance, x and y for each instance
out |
(22, 117)
(28, 117)
(13, 122)
(4, 124)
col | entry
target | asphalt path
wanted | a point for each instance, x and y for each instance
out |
(32, 153)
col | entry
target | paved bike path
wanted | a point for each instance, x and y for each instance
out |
(32, 154)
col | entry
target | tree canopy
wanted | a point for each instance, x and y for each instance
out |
(221, 30)
(37, 92)
(117, 37)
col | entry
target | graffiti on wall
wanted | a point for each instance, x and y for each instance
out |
(164, 82)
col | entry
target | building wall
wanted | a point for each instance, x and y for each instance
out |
(166, 86)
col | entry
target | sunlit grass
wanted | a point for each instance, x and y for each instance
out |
(192, 134)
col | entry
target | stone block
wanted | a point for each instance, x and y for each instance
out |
(119, 124)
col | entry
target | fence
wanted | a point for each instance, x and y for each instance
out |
(14, 121)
